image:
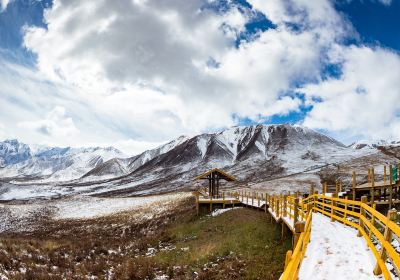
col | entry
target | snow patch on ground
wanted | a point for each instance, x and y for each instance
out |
(86, 207)
(220, 211)
(27, 216)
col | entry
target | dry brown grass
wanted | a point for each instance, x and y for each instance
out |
(115, 248)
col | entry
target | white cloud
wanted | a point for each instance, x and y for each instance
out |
(139, 73)
(4, 4)
(56, 125)
(364, 100)
(151, 59)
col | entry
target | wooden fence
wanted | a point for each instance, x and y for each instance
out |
(378, 230)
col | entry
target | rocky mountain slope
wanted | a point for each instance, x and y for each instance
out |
(254, 154)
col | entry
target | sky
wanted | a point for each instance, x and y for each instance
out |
(137, 73)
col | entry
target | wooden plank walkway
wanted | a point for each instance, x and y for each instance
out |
(296, 214)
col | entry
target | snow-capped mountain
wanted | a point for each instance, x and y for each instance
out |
(253, 154)
(50, 163)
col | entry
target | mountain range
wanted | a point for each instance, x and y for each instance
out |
(254, 154)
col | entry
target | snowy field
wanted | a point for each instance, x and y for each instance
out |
(26, 216)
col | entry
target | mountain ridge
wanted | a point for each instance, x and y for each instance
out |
(253, 153)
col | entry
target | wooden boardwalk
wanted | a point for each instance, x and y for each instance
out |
(295, 213)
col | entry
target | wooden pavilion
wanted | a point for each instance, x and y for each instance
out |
(214, 176)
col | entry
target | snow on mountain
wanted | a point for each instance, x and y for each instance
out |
(12, 152)
(50, 163)
(368, 144)
(251, 153)
(117, 167)
(254, 154)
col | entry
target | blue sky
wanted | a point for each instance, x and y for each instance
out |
(136, 75)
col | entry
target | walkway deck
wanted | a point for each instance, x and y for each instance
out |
(335, 252)
(327, 235)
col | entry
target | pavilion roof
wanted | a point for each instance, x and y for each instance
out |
(221, 174)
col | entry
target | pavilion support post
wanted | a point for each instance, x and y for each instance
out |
(340, 186)
(311, 189)
(247, 199)
(211, 198)
(277, 207)
(337, 188)
(369, 177)
(364, 199)
(392, 216)
(252, 199)
(258, 200)
(391, 186)
(197, 203)
(223, 200)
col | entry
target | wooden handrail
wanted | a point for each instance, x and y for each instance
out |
(334, 207)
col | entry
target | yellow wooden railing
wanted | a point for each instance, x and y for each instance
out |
(371, 224)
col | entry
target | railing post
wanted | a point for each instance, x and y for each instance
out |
(299, 227)
(372, 185)
(258, 200)
(277, 207)
(372, 220)
(392, 216)
(354, 187)
(364, 199)
(288, 257)
(391, 186)
(314, 199)
(296, 211)
(265, 205)
(284, 205)
(332, 205)
(384, 182)
(273, 203)
(309, 208)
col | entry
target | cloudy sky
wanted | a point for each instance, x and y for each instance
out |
(136, 73)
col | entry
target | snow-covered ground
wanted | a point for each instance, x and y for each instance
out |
(86, 207)
(26, 216)
(335, 252)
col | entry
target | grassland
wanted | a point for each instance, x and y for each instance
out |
(238, 244)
